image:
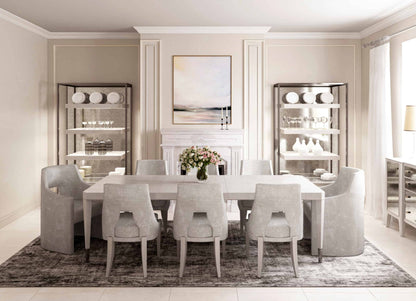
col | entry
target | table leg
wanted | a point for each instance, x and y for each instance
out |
(317, 226)
(87, 206)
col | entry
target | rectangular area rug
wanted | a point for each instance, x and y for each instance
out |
(35, 267)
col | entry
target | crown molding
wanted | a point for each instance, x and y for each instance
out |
(390, 20)
(93, 35)
(202, 29)
(312, 35)
(5, 15)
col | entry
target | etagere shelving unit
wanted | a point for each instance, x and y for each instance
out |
(72, 131)
(330, 129)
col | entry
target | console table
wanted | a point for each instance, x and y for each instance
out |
(400, 201)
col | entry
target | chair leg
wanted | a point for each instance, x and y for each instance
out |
(247, 245)
(260, 247)
(243, 215)
(110, 255)
(223, 248)
(388, 222)
(144, 256)
(217, 255)
(183, 256)
(165, 220)
(158, 239)
(294, 255)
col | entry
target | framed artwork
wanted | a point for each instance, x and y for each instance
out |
(201, 88)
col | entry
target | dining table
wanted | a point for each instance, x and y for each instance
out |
(241, 187)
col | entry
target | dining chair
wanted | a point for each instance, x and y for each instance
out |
(277, 216)
(344, 214)
(61, 214)
(155, 167)
(251, 167)
(128, 217)
(200, 216)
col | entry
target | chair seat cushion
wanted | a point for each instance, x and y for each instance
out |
(200, 226)
(160, 204)
(245, 204)
(278, 227)
(97, 209)
(126, 226)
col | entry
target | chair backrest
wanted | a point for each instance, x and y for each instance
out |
(200, 198)
(350, 180)
(151, 167)
(134, 198)
(65, 178)
(274, 199)
(256, 167)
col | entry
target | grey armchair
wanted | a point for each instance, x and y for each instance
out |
(277, 216)
(128, 217)
(252, 167)
(344, 214)
(62, 211)
(200, 216)
(155, 167)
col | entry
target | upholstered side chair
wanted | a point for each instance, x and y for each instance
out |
(344, 214)
(277, 216)
(200, 216)
(128, 217)
(62, 208)
(252, 167)
(155, 167)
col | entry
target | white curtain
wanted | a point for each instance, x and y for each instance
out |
(379, 138)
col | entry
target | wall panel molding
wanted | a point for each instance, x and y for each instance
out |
(253, 98)
(150, 98)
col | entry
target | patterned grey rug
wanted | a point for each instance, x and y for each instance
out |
(34, 267)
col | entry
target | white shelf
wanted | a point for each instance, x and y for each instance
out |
(95, 130)
(310, 106)
(95, 106)
(300, 131)
(410, 218)
(113, 155)
(309, 156)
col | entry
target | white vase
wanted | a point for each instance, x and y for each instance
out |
(310, 145)
(303, 149)
(296, 145)
(317, 149)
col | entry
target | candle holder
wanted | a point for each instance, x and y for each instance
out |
(222, 123)
(226, 122)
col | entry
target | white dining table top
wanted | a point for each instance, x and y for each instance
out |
(164, 187)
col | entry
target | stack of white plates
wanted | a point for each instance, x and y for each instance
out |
(291, 97)
(328, 177)
(96, 97)
(325, 97)
(79, 97)
(308, 97)
(114, 97)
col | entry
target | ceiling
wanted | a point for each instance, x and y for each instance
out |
(281, 15)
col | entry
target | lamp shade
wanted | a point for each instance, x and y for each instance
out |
(410, 119)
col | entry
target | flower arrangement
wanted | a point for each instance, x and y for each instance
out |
(199, 157)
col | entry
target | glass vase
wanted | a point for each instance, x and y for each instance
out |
(201, 174)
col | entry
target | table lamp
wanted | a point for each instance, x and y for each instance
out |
(410, 123)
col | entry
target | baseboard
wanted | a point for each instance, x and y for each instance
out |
(14, 215)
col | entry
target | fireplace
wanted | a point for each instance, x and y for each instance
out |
(228, 143)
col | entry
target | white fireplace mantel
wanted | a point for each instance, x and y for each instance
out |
(228, 143)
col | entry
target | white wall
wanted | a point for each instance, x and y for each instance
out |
(23, 119)
(257, 65)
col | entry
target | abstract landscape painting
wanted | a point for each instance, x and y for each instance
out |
(201, 89)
